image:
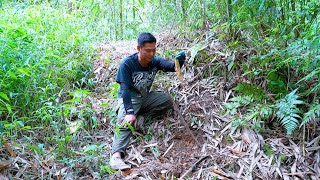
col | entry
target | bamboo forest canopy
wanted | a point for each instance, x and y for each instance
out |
(119, 19)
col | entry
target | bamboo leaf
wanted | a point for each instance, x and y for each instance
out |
(4, 96)
(24, 71)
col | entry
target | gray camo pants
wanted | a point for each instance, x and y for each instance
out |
(155, 103)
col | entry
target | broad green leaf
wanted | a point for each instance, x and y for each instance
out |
(194, 51)
(24, 71)
(4, 96)
(90, 148)
(130, 127)
(117, 131)
(67, 138)
(9, 109)
(105, 104)
(12, 75)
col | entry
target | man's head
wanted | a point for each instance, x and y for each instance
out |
(146, 38)
(147, 48)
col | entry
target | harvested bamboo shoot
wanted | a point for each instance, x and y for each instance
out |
(178, 70)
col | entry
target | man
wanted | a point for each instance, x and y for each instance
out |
(135, 76)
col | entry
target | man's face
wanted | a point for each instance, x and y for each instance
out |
(147, 52)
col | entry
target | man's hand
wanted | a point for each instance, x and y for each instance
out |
(181, 56)
(130, 118)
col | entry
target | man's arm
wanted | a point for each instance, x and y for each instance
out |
(126, 96)
(127, 102)
(166, 65)
(125, 81)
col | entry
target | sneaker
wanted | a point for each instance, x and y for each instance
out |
(118, 163)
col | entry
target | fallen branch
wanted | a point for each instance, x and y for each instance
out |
(193, 167)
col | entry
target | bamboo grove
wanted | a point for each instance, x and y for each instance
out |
(47, 47)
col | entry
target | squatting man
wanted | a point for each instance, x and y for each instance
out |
(135, 76)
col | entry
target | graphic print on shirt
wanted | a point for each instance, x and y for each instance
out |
(142, 81)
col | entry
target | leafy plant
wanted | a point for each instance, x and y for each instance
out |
(237, 102)
(244, 109)
(267, 149)
(312, 114)
(288, 112)
(247, 89)
(113, 90)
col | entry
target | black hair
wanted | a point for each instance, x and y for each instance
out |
(146, 38)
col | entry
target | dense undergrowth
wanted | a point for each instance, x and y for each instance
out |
(47, 51)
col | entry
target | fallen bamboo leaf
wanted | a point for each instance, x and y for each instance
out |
(150, 145)
(60, 172)
(8, 147)
(126, 172)
(5, 164)
(3, 177)
(20, 172)
(168, 149)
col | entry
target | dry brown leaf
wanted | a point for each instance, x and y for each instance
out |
(5, 164)
(8, 148)
(126, 172)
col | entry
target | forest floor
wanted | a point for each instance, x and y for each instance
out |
(195, 141)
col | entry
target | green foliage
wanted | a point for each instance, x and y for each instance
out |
(236, 103)
(283, 158)
(247, 89)
(276, 83)
(113, 90)
(267, 149)
(246, 111)
(288, 112)
(41, 53)
(312, 114)
(155, 151)
(107, 169)
(94, 148)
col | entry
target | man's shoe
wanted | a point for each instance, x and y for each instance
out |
(118, 163)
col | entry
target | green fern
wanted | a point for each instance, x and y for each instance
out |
(313, 113)
(247, 89)
(288, 112)
(236, 103)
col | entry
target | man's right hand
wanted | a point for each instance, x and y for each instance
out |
(129, 118)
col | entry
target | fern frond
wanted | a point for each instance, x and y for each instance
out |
(313, 113)
(288, 112)
(311, 75)
(253, 90)
(236, 103)
(242, 100)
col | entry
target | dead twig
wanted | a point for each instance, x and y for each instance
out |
(193, 167)
(176, 109)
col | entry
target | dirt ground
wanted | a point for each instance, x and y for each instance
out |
(195, 141)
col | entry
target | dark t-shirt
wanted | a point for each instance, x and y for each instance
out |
(139, 79)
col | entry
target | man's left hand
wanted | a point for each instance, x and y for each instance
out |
(181, 56)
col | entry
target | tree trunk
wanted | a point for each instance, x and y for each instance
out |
(121, 18)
